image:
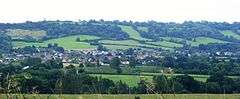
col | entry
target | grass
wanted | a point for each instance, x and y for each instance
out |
(132, 33)
(231, 33)
(205, 40)
(145, 29)
(125, 96)
(166, 44)
(68, 42)
(131, 80)
(199, 40)
(21, 34)
(124, 44)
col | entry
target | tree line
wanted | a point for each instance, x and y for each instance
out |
(32, 75)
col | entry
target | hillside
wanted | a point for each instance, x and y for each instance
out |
(120, 35)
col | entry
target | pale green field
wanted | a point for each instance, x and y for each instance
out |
(68, 42)
(199, 40)
(130, 80)
(122, 96)
(133, 80)
(166, 44)
(230, 33)
(116, 47)
(20, 33)
(205, 40)
(145, 29)
(121, 42)
(132, 33)
(124, 44)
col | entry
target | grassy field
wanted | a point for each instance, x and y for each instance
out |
(21, 34)
(68, 42)
(205, 40)
(166, 44)
(133, 80)
(132, 33)
(145, 29)
(199, 40)
(124, 44)
(230, 33)
(123, 96)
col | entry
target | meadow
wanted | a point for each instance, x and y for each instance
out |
(231, 34)
(132, 33)
(68, 42)
(22, 34)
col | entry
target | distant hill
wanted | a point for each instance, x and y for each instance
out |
(121, 35)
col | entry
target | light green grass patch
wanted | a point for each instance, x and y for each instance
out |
(68, 42)
(123, 44)
(198, 40)
(231, 33)
(131, 80)
(205, 40)
(166, 44)
(21, 34)
(132, 33)
(116, 47)
(145, 29)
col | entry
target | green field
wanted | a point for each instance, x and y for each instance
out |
(124, 44)
(198, 40)
(132, 33)
(68, 42)
(231, 33)
(145, 29)
(205, 40)
(122, 96)
(166, 44)
(21, 34)
(133, 80)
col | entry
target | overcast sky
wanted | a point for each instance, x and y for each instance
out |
(136, 10)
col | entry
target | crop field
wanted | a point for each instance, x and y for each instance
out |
(21, 34)
(132, 33)
(68, 42)
(230, 33)
(122, 96)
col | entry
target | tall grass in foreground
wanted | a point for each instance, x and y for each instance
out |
(122, 96)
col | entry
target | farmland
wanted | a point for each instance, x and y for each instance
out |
(231, 34)
(22, 34)
(132, 33)
(68, 42)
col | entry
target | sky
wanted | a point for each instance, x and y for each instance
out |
(15, 11)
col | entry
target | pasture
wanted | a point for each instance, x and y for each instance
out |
(132, 33)
(231, 34)
(68, 42)
(22, 34)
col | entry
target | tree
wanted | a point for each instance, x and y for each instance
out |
(132, 62)
(161, 84)
(78, 39)
(115, 64)
(5, 43)
(101, 48)
(1, 55)
(188, 83)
